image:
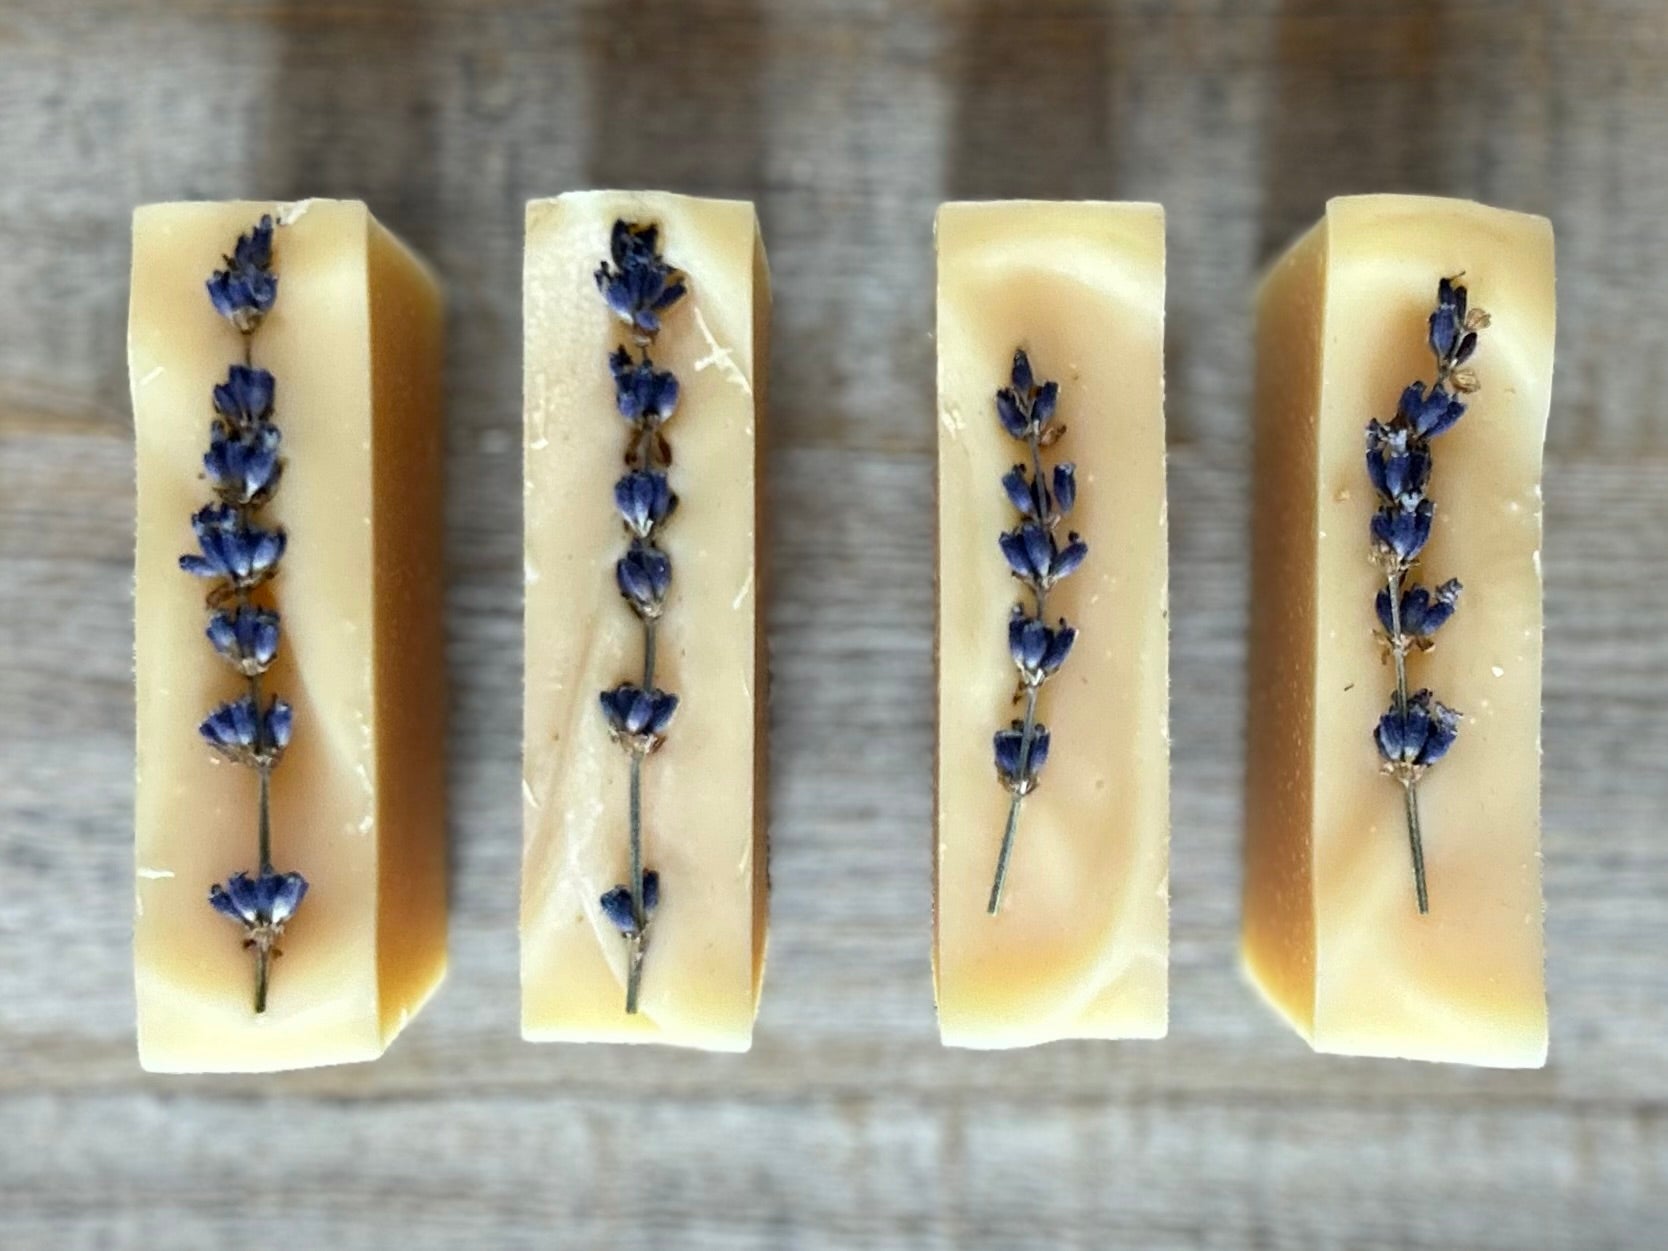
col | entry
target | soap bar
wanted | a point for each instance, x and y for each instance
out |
(1333, 936)
(1078, 947)
(358, 802)
(703, 790)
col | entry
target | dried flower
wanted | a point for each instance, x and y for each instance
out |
(616, 905)
(642, 393)
(244, 555)
(242, 733)
(644, 575)
(239, 556)
(1042, 498)
(639, 286)
(247, 636)
(246, 289)
(1016, 764)
(261, 905)
(1422, 612)
(246, 397)
(644, 500)
(1418, 730)
(1037, 650)
(1036, 560)
(243, 468)
(1412, 739)
(637, 716)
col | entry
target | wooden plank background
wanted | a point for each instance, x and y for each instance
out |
(848, 120)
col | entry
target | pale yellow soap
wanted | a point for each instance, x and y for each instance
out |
(703, 792)
(1332, 933)
(1079, 947)
(358, 802)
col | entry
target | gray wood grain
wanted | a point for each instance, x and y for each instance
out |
(848, 120)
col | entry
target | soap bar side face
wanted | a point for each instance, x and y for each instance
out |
(1079, 948)
(762, 307)
(408, 446)
(1464, 982)
(195, 816)
(1279, 932)
(699, 801)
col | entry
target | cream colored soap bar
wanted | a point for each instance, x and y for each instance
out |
(703, 791)
(1079, 946)
(1332, 933)
(358, 806)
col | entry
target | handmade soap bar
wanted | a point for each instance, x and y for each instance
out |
(1078, 946)
(1333, 936)
(358, 805)
(702, 796)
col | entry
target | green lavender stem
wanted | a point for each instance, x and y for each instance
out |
(1005, 856)
(634, 977)
(1007, 851)
(1410, 791)
(639, 914)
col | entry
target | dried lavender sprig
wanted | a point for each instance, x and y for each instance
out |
(638, 286)
(1418, 730)
(1042, 499)
(237, 555)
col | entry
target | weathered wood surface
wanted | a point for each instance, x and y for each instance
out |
(848, 120)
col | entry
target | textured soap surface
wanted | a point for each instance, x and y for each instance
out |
(358, 803)
(1079, 948)
(1332, 934)
(703, 791)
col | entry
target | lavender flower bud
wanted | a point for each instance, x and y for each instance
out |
(247, 395)
(245, 290)
(1008, 746)
(1065, 487)
(243, 468)
(1400, 533)
(1027, 497)
(645, 500)
(1037, 650)
(639, 285)
(616, 904)
(231, 548)
(240, 732)
(1410, 741)
(644, 575)
(1398, 464)
(641, 392)
(1035, 559)
(637, 718)
(1021, 378)
(265, 902)
(1422, 612)
(1431, 413)
(247, 637)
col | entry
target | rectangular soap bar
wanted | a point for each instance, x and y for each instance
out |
(703, 790)
(1079, 945)
(1332, 933)
(358, 801)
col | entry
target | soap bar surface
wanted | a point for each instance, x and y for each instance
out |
(1332, 933)
(1079, 947)
(358, 802)
(703, 791)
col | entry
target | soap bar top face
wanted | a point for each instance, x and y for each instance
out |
(1464, 982)
(702, 791)
(1079, 946)
(353, 342)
